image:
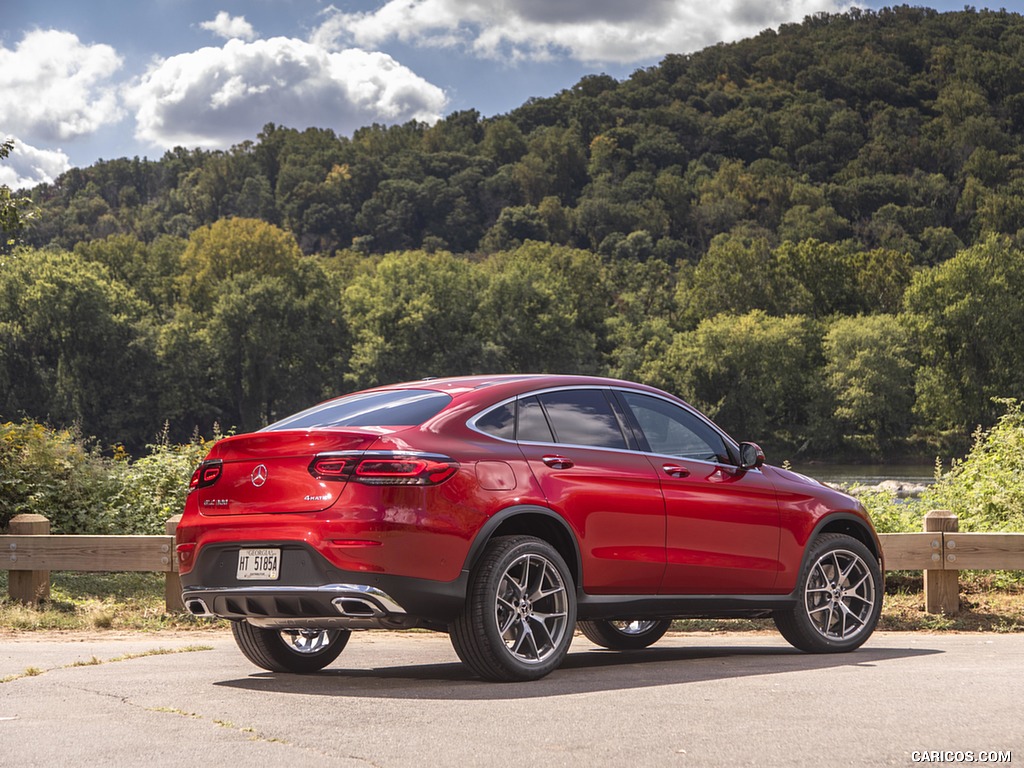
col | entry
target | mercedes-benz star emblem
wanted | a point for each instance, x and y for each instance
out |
(259, 475)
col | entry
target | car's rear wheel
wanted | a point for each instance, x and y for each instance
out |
(520, 611)
(625, 635)
(289, 650)
(839, 597)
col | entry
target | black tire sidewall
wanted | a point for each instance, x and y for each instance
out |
(503, 552)
(607, 635)
(267, 649)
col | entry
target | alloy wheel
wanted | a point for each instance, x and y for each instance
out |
(840, 595)
(307, 641)
(531, 608)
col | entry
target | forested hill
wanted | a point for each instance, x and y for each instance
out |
(902, 128)
(814, 234)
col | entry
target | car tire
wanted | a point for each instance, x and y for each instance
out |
(839, 597)
(520, 611)
(289, 650)
(625, 635)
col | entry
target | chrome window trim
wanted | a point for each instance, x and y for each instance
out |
(729, 442)
(471, 424)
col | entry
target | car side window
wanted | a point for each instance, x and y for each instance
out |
(500, 421)
(531, 425)
(583, 417)
(674, 431)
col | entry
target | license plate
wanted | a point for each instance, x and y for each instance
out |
(258, 564)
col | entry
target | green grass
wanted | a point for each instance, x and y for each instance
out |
(98, 601)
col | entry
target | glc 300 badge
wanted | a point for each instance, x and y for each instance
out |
(259, 475)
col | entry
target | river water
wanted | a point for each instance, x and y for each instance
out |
(869, 474)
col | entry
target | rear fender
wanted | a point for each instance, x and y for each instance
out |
(530, 520)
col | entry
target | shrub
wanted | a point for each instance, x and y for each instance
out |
(891, 514)
(986, 489)
(153, 488)
(57, 474)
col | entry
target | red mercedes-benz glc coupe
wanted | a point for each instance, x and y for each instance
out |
(507, 511)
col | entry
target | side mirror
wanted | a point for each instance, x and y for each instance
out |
(751, 456)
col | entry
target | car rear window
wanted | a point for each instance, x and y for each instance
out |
(390, 408)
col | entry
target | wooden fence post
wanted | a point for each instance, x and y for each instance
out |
(942, 587)
(28, 586)
(172, 582)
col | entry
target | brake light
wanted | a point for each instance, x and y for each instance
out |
(385, 468)
(206, 474)
(404, 471)
(329, 468)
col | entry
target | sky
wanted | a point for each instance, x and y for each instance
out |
(104, 79)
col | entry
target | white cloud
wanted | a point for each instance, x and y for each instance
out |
(55, 88)
(215, 97)
(27, 166)
(230, 27)
(590, 31)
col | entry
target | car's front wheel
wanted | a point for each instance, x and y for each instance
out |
(520, 611)
(839, 597)
(289, 650)
(625, 635)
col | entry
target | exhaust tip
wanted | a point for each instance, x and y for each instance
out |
(197, 607)
(357, 607)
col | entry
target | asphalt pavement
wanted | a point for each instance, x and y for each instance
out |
(401, 699)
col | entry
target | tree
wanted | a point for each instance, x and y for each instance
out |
(640, 327)
(13, 212)
(869, 369)
(75, 348)
(514, 226)
(815, 278)
(150, 268)
(274, 344)
(754, 374)
(230, 247)
(413, 316)
(967, 313)
(543, 310)
(736, 275)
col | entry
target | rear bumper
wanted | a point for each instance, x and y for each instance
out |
(345, 605)
(310, 591)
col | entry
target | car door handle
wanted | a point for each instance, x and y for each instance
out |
(674, 470)
(557, 462)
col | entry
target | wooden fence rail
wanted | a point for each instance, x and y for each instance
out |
(30, 553)
(942, 551)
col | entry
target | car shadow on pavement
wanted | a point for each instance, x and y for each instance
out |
(586, 671)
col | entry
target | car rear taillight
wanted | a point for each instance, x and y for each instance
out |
(404, 471)
(330, 468)
(385, 468)
(206, 474)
